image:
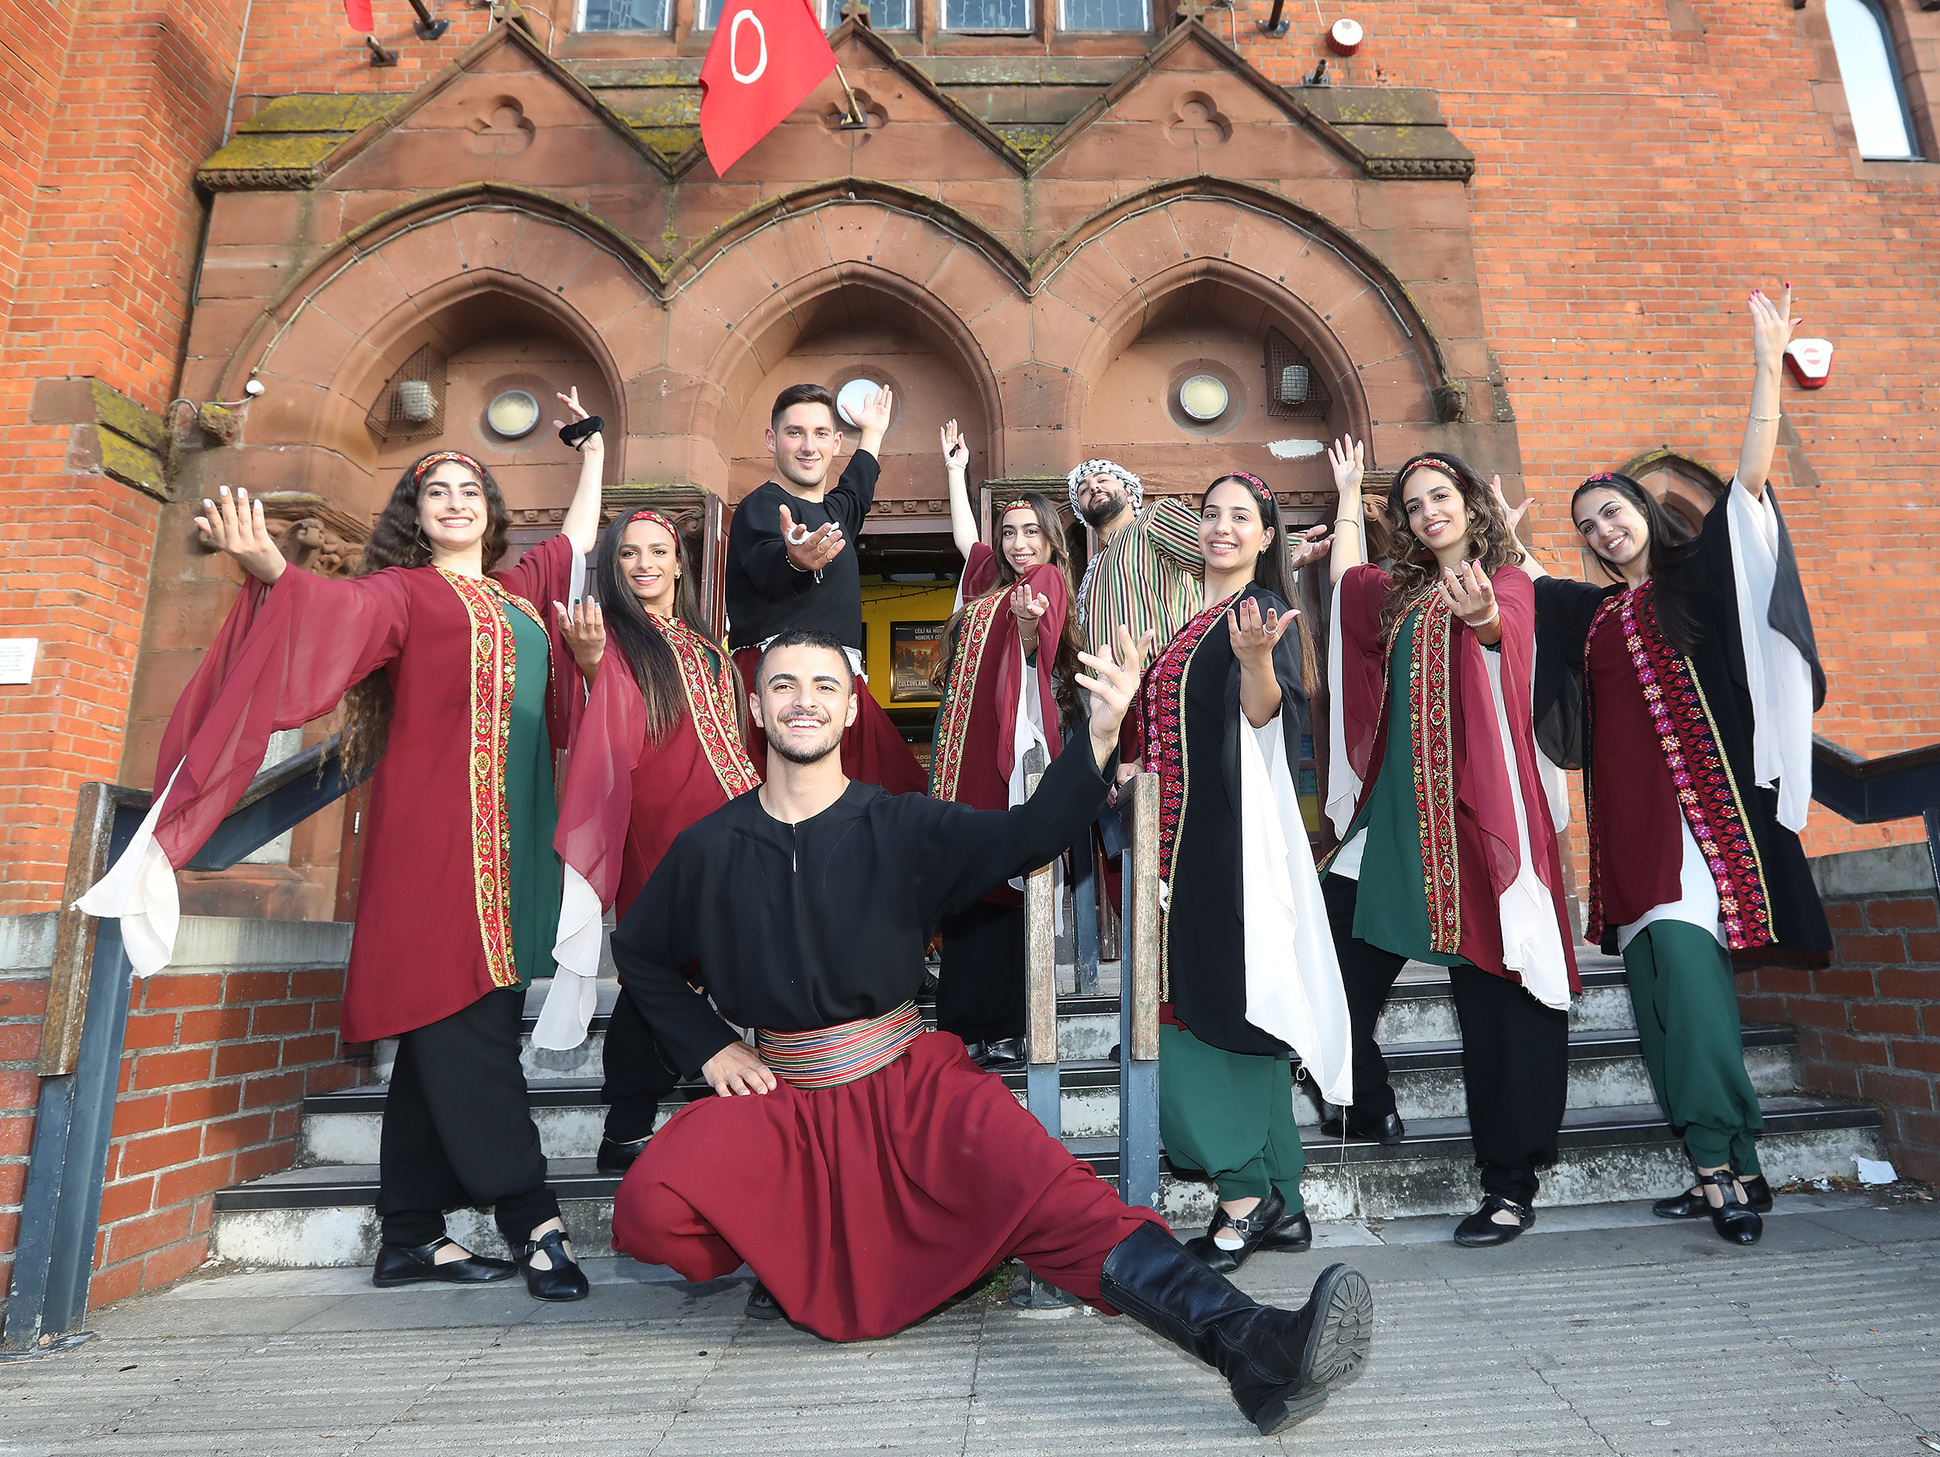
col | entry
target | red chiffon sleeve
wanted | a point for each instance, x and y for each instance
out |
(544, 577)
(284, 656)
(979, 571)
(1363, 661)
(596, 800)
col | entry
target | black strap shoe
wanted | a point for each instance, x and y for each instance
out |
(564, 1280)
(1278, 1363)
(616, 1157)
(1692, 1204)
(1482, 1229)
(1293, 1235)
(1001, 1053)
(1732, 1219)
(762, 1305)
(416, 1264)
(1252, 1229)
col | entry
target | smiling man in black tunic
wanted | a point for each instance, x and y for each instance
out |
(864, 1169)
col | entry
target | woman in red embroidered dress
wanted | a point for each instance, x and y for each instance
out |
(447, 667)
(661, 744)
(1247, 969)
(1004, 691)
(1448, 854)
(1683, 685)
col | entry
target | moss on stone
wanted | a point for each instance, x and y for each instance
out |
(118, 413)
(323, 113)
(279, 152)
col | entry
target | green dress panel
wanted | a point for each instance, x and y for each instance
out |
(530, 811)
(1391, 911)
(1228, 1117)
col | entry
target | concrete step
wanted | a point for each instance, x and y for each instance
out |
(324, 1216)
(1606, 1070)
(1421, 1010)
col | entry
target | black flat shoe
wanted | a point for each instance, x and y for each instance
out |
(564, 1281)
(1733, 1220)
(762, 1305)
(1692, 1204)
(616, 1157)
(1387, 1130)
(1252, 1228)
(1005, 1052)
(1481, 1229)
(1293, 1235)
(417, 1264)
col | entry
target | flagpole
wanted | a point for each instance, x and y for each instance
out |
(855, 120)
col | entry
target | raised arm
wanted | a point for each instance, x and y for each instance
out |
(1771, 330)
(956, 470)
(1348, 457)
(1172, 527)
(1531, 568)
(582, 524)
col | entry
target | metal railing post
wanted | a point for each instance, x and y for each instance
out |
(1084, 916)
(1138, 1006)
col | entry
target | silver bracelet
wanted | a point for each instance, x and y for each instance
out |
(1768, 419)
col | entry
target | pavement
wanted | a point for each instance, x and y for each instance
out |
(1602, 1331)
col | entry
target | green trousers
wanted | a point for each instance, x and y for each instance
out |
(1687, 1018)
(1228, 1117)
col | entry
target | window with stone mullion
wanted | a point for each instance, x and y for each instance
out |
(988, 15)
(1104, 15)
(650, 15)
(1870, 73)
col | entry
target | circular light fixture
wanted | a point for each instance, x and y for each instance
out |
(851, 397)
(1203, 397)
(512, 414)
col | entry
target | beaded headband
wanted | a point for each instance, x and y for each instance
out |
(658, 520)
(438, 458)
(1252, 483)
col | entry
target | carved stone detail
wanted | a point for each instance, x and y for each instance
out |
(311, 532)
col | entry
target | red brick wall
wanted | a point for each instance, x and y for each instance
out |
(212, 1084)
(1869, 1024)
(23, 998)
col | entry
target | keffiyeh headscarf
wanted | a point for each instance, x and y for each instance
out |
(1134, 487)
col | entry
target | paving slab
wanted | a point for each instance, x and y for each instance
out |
(1602, 1331)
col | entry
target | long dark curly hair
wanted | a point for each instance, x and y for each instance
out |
(396, 540)
(1490, 543)
(634, 632)
(1673, 555)
(1065, 666)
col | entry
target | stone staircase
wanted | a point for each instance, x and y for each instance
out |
(1614, 1145)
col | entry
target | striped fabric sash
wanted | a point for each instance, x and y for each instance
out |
(831, 1056)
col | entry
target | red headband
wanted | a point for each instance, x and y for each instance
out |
(439, 457)
(657, 519)
(1253, 483)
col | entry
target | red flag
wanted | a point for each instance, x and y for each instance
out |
(767, 55)
(357, 12)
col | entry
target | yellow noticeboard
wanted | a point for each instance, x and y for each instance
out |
(902, 643)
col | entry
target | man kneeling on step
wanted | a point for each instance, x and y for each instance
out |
(865, 1170)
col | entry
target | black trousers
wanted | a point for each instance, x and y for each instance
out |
(980, 985)
(1515, 1053)
(458, 1129)
(638, 1074)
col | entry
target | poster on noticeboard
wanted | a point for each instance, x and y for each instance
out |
(915, 662)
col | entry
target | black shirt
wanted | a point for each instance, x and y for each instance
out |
(765, 593)
(797, 927)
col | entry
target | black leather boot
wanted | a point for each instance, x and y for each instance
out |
(1279, 1363)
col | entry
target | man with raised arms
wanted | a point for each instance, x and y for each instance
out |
(792, 563)
(864, 1169)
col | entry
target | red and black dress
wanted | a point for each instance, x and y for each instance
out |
(995, 706)
(1690, 859)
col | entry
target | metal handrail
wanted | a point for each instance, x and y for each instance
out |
(85, 1026)
(1900, 786)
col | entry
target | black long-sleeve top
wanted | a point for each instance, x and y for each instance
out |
(798, 927)
(765, 593)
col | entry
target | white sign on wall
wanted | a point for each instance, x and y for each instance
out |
(17, 659)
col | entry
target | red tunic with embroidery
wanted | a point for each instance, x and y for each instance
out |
(1641, 828)
(626, 797)
(433, 913)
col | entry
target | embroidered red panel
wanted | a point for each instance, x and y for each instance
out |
(708, 680)
(1706, 792)
(960, 694)
(1434, 765)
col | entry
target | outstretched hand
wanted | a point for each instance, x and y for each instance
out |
(1772, 325)
(583, 626)
(1310, 546)
(872, 415)
(1113, 683)
(956, 449)
(1467, 592)
(1256, 635)
(810, 551)
(235, 525)
(1348, 457)
(1028, 606)
(1512, 514)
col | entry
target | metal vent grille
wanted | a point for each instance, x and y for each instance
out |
(1294, 389)
(413, 399)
